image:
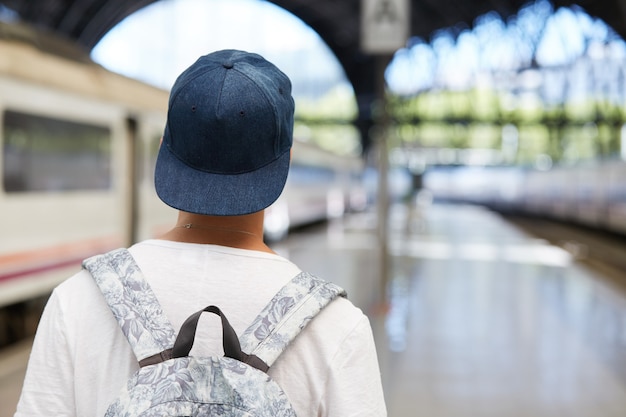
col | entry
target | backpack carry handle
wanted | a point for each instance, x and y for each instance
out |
(230, 341)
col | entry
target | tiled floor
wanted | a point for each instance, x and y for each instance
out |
(488, 321)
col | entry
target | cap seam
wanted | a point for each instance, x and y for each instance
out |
(173, 99)
(273, 106)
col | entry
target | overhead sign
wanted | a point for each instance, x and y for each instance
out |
(384, 25)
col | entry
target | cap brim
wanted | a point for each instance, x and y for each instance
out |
(194, 191)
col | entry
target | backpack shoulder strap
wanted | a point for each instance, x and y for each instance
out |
(286, 315)
(133, 304)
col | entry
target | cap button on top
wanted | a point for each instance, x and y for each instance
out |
(227, 64)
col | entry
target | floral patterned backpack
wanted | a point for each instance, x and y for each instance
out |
(171, 383)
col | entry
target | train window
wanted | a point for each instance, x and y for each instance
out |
(46, 154)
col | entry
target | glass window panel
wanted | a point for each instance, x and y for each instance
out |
(46, 155)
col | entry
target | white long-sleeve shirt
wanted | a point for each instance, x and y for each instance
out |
(81, 360)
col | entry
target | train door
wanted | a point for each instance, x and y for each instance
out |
(153, 217)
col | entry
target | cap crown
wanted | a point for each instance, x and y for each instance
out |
(230, 113)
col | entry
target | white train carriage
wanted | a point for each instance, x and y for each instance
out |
(321, 185)
(69, 135)
(614, 181)
(590, 198)
(592, 193)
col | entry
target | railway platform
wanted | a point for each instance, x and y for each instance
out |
(485, 319)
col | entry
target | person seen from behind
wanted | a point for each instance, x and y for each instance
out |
(224, 158)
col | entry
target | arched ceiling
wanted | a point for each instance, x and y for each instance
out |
(336, 21)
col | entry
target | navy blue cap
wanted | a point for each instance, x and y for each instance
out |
(229, 130)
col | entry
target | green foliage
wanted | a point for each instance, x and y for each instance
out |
(581, 129)
(327, 121)
(337, 104)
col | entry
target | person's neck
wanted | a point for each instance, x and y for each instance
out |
(244, 232)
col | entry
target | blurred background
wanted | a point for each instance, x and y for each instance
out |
(459, 167)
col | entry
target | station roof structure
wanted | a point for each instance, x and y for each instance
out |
(85, 22)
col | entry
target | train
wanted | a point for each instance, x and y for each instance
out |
(79, 145)
(589, 193)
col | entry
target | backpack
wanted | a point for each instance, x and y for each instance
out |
(171, 383)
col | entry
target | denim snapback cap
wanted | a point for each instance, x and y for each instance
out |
(229, 130)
